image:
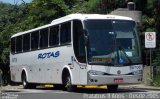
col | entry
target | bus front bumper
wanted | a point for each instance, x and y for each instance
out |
(113, 79)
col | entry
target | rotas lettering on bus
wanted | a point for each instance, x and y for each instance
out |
(48, 55)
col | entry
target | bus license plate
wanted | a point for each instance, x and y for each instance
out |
(118, 80)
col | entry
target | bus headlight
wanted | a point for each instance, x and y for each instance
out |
(94, 72)
(138, 72)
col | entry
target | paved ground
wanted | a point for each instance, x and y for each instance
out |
(138, 91)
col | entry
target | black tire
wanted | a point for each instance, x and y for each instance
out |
(68, 85)
(112, 88)
(25, 83)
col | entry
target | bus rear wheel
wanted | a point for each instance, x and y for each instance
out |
(112, 88)
(25, 83)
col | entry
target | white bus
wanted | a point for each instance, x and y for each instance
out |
(78, 49)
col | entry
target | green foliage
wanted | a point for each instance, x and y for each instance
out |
(79, 7)
(47, 10)
(103, 6)
(150, 23)
(5, 55)
(156, 81)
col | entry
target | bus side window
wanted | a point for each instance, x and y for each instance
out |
(19, 44)
(13, 47)
(78, 41)
(26, 42)
(34, 40)
(65, 33)
(44, 38)
(54, 36)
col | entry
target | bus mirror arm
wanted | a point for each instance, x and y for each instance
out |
(85, 37)
(85, 32)
(85, 40)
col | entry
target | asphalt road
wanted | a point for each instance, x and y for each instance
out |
(81, 93)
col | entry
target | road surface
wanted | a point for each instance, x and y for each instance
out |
(81, 93)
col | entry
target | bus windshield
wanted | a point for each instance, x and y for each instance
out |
(112, 42)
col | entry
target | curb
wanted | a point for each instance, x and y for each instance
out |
(153, 89)
(142, 87)
(149, 88)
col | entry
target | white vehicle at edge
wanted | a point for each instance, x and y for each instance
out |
(78, 49)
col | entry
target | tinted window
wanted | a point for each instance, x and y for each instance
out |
(13, 45)
(65, 33)
(19, 44)
(54, 36)
(26, 42)
(44, 38)
(34, 40)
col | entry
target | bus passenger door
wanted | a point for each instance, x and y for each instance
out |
(83, 74)
(79, 51)
(79, 72)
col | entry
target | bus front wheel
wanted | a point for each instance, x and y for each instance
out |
(68, 85)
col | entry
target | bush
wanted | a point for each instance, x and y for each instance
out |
(156, 81)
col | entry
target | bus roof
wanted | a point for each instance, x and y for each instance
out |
(75, 16)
